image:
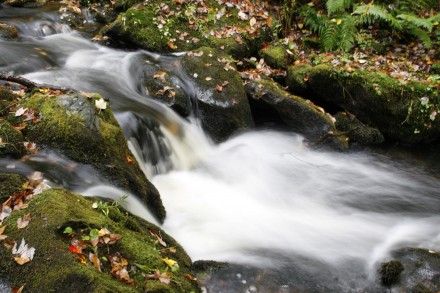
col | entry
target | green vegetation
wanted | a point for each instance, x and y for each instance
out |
(338, 23)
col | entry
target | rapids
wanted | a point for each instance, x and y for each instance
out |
(317, 220)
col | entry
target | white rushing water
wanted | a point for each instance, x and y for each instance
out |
(262, 197)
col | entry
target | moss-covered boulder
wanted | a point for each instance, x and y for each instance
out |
(299, 114)
(297, 76)
(9, 184)
(11, 141)
(404, 112)
(220, 98)
(68, 262)
(79, 126)
(276, 56)
(8, 31)
(356, 130)
(175, 26)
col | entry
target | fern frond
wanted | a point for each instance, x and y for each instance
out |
(336, 6)
(417, 21)
(412, 6)
(347, 33)
(371, 13)
(329, 37)
(422, 35)
(314, 21)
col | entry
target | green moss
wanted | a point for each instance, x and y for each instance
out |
(274, 56)
(9, 184)
(297, 77)
(11, 141)
(55, 269)
(435, 68)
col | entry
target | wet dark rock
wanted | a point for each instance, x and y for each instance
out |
(390, 272)
(167, 88)
(357, 131)
(299, 114)
(220, 99)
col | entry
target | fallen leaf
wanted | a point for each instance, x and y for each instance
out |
(20, 112)
(94, 259)
(75, 249)
(218, 88)
(253, 21)
(101, 104)
(190, 277)
(23, 254)
(18, 290)
(23, 222)
(128, 159)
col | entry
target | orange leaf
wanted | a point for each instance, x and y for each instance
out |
(75, 249)
(219, 88)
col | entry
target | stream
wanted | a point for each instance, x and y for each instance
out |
(285, 216)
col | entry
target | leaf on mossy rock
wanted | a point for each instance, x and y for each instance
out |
(162, 277)
(23, 222)
(2, 230)
(23, 254)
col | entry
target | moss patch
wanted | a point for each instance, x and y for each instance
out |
(9, 184)
(55, 269)
(11, 141)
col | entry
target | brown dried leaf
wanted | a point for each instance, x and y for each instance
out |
(218, 88)
(23, 222)
(94, 259)
(18, 290)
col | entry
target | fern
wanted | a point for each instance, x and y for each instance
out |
(371, 13)
(417, 21)
(314, 21)
(337, 6)
(329, 37)
(412, 6)
(347, 33)
(422, 35)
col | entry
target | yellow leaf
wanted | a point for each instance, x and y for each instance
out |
(2, 229)
(169, 262)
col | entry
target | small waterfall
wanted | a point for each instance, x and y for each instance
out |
(321, 219)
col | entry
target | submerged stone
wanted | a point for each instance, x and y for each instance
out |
(8, 31)
(390, 272)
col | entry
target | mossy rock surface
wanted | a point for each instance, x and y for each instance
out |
(73, 125)
(299, 114)
(8, 31)
(55, 269)
(357, 131)
(402, 112)
(9, 184)
(11, 142)
(171, 26)
(276, 56)
(26, 3)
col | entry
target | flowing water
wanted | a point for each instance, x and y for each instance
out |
(307, 219)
